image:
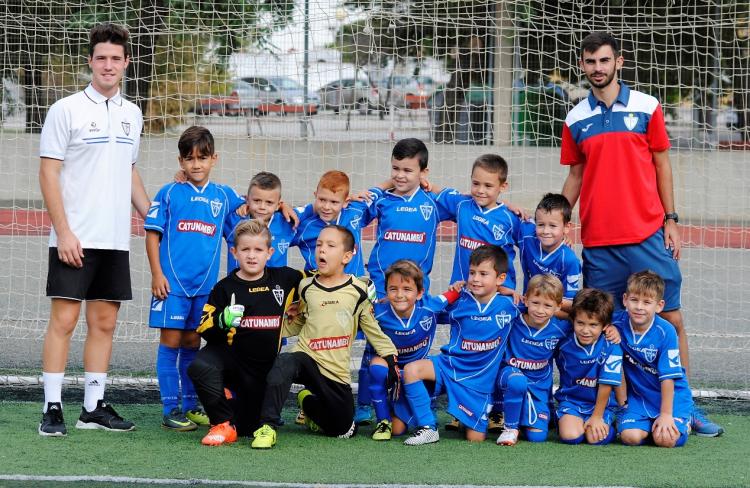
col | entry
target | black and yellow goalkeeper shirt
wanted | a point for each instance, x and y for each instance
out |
(327, 323)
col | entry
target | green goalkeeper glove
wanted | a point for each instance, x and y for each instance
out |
(232, 315)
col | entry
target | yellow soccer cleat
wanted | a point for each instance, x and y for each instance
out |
(265, 437)
(197, 416)
(383, 431)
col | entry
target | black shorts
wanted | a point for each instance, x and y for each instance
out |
(105, 275)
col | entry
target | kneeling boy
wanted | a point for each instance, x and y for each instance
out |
(241, 324)
(332, 305)
(466, 368)
(659, 398)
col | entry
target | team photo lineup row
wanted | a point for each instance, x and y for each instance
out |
(499, 355)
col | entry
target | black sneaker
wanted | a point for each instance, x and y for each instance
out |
(103, 417)
(52, 424)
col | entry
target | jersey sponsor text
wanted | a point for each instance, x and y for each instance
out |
(196, 226)
(528, 364)
(261, 322)
(328, 343)
(479, 346)
(405, 236)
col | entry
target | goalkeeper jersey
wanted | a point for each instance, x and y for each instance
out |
(258, 337)
(327, 323)
(191, 222)
(282, 234)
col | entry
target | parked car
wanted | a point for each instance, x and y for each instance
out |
(348, 93)
(405, 91)
(281, 95)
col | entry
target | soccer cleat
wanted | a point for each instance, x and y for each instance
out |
(177, 421)
(103, 417)
(349, 433)
(219, 434)
(52, 424)
(383, 431)
(453, 425)
(265, 437)
(509, 437)
(702, 426)
(311, 425)
(496, 423)
(363, 415)
(197, 416)
(423, 435)
(300, 418)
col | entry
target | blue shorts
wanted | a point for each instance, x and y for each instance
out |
(470, 407)
(608, 268)
(635, 417)
(535, 408)
(584, 413)
(176, 312)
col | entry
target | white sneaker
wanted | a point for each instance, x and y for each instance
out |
(508, 437)
(423, 435)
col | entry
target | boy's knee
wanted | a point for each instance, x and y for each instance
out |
(411, 372)
(633, 437)
(199, 369)
(535, 435)
(568, 439)
(516, 384)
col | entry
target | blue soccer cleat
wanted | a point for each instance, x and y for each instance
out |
(701, 425)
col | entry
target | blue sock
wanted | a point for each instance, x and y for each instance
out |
(682, 440)
(577, 440)
(419, 401)
(189, 397)
(378, 393)
(532, 436)
(363, 379)
(514, 389)
(169, 378)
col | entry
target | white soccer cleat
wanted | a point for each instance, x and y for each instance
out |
(508, 437)
(423, 435)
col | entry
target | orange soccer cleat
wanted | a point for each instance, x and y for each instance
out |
(220, 434)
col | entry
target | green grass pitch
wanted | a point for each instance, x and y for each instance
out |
(302, 457)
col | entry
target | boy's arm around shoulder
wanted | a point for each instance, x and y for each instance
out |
(364, 315)
(293, 323)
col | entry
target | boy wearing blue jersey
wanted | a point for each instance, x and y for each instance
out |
(590, 366)
(466, 368)
(183, 243)
(659, 398)
(409, 319)
(542, 247)
(525, 377)
(263, 200)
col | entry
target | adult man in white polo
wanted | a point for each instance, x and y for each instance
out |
(89, 145)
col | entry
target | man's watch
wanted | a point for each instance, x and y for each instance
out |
(672, 216)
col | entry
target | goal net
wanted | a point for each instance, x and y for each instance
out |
(300, 87)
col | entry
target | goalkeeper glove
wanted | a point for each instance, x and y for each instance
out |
(231, 315)
(372, 294)
(393, 381)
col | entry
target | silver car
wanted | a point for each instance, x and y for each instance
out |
(348, 93)
(405, 91)
(280, 94)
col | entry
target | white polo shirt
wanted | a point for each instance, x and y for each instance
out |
(97, 140)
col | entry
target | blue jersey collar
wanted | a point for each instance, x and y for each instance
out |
(623, 97)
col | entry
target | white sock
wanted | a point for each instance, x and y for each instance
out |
(93, 389)
(52, 388)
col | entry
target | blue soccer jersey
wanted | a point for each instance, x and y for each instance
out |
(191, 222)
(561, 262)
(477, 226)
(531, 349)
(407, 229)
(413, 336)
(583, 368)
(478, 339)
(354, 217)
(648, 359)
(282, 234)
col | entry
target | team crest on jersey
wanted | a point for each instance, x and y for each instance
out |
(282, 246)
(278, 294)
(613, 364)
(551, 343)
(498, 232)
(354, 223)
(502, 319)
(649, 353)
(157, 305)
(631, 121)
(426, 210)
(344, 319)
(125, 127)
(215, 207)
(426, 323)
